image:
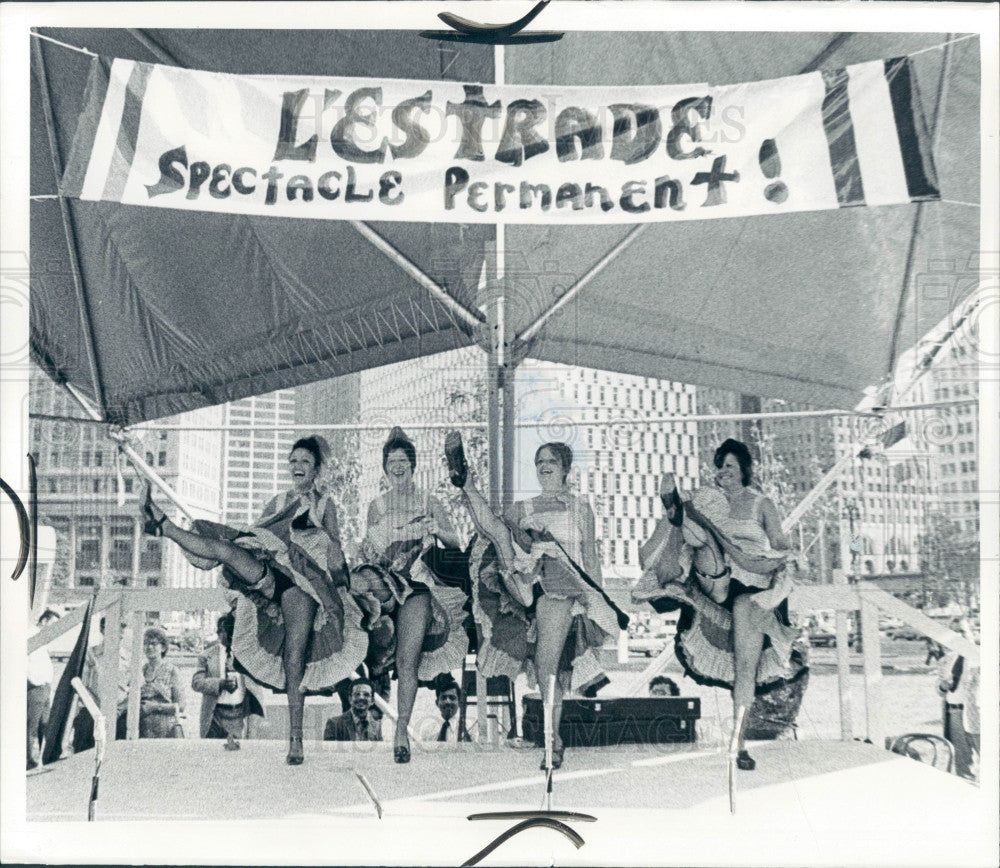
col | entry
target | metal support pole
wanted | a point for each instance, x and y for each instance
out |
(508, 433)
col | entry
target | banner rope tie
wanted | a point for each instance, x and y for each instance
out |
(943, 44)
(911, 54)
(63, 44)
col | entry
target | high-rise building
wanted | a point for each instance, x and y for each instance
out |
(255, 449)
(445, 389)
(618, 457)
(92, 500)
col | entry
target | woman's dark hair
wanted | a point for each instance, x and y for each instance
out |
(399, 440)
(742, 454)
(311, 445)
(159, 635)
(562, 451)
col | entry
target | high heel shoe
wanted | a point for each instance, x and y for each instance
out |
(454, 453)
(295, 756)
(153, 526)
(745, 762)
(671, 500)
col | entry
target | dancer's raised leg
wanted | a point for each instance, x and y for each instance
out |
(553, 623)
(238, 559)
(411, 627)
(298, 610)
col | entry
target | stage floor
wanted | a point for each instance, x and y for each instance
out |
(811, 802)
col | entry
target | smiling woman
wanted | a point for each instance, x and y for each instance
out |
(417, 569)
(298, 628)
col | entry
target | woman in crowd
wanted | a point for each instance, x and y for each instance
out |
(298, 629)
(408, 543)
(161, 694)
(720, 557)
(533, 604)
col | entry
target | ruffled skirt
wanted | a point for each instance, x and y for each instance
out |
(508, 623)
(404, 570)
(338, 641)
(704, 640)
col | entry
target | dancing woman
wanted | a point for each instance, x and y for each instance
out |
(298, 629)
(535, 610)
(401, 546)
(720, 557)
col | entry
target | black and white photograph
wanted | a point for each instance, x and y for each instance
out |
(500, 433)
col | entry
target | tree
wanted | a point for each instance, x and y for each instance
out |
(950, 557)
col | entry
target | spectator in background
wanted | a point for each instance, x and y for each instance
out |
(39, 693)
(354, 724)
(228, 697)
(162, 696)
(446, 693)
(663, 686)
(955, 676)
(935, 651)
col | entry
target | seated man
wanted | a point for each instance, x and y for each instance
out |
(446, 699)
(228, 697)
(354, 724)
(663, 686)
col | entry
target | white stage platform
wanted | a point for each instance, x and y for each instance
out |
(808, 803)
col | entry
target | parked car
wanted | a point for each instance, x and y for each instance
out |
(649, 644)
(822, 636)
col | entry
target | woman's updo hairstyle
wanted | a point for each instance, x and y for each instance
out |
(399, 440)
(562, 451)
(742, 454)
(313, 446)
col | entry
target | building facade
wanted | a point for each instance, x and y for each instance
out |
(255, 449)
(92, 501)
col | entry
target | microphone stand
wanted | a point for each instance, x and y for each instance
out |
(545, 816)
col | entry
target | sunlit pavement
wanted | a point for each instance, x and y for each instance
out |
(815, 802)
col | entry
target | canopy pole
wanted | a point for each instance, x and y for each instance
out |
(469, 317)
(904, 293)
(68, 230)
(137, 461)
(572, 292)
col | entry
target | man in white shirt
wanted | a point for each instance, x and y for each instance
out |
(228, 697)
(39, 694)
(958, 686)
(446, 699)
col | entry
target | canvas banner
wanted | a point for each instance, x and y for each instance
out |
(440, 151)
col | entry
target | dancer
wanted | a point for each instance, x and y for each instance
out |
(720, 557)
(412, 548)
(298, 629)
(536, 610)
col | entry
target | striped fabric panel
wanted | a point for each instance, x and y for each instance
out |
(839, 128)
(911, 127)
(86, 130)
(128, 133)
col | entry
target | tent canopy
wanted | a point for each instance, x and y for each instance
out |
(180, 310)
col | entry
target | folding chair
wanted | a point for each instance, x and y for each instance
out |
(499, 694)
